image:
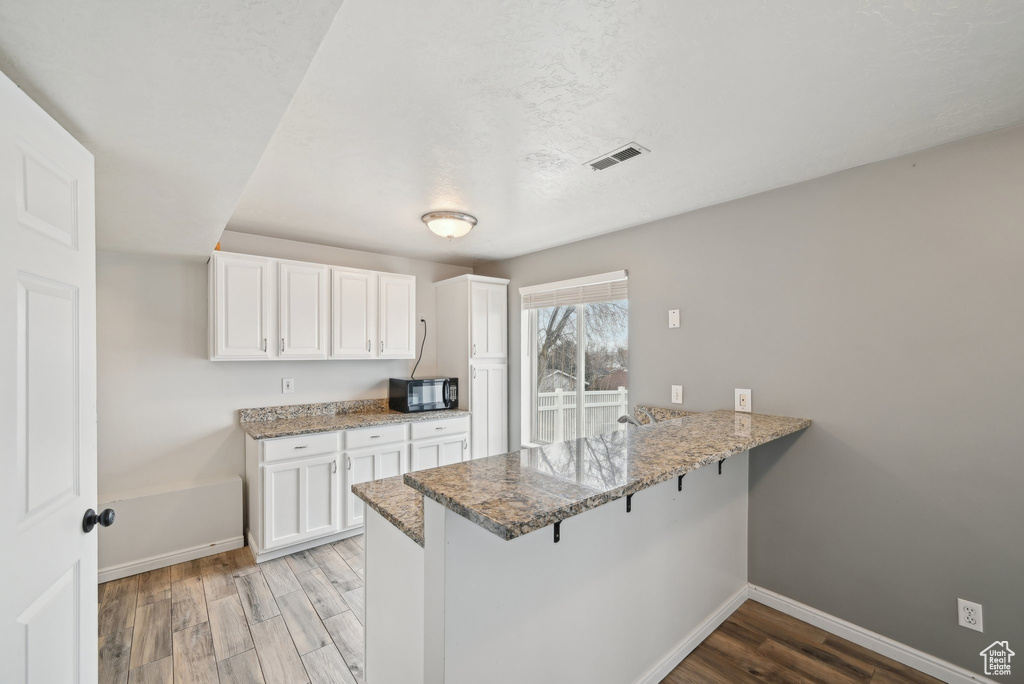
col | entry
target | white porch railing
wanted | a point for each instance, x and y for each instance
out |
(556, 413)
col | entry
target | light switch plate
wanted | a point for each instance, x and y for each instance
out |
(673, 318)
(677, 394)
(743, 400)
(287, 385)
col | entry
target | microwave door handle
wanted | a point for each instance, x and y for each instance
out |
(445, 389)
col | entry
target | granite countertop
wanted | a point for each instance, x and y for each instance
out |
(526, 490)
(306, 419)
(400, 504)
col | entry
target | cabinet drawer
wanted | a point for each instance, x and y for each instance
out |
(367, 437)
(303, 445)
(439, 428)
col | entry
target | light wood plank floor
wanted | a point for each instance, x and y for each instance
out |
(293, 620)
(760, 644)
(299, 619)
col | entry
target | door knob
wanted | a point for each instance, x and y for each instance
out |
(92, 518)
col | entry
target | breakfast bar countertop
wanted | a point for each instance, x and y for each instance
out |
(400, 504)
(523, 491)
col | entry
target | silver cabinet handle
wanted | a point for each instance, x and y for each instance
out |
(264, 344)
(367, 345)
(382, 346)
(374, 436)
(465, 444)
(442, 427)
(334, 466)
(474, 372)
(282, 345)
(348, 463)
(474, 349)
(304, 446)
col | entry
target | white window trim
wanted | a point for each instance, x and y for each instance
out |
(528, 343)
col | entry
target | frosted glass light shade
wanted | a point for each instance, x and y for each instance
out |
(449, 224)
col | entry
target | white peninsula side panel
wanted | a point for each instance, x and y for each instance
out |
(622, 597)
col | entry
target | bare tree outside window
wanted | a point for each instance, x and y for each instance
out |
(604, 374)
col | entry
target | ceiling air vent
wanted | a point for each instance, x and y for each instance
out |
(616, 156)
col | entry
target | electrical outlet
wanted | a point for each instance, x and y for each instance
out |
(287, 385)
(673, 318)
(677, 394)
(743, 400)
(968, 614)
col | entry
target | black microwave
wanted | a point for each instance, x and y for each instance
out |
(423, 394)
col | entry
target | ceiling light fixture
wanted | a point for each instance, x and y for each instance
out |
(449, 224)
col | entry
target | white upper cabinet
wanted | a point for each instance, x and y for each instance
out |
(240, 304)
(397, 297)
(319, 312)
(302, 310)
(353, 313)
(488, 320)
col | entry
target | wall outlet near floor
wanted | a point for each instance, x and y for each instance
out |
(743, 400)
(673, 318)
(287, 385)
(968, 614)
(677, 394)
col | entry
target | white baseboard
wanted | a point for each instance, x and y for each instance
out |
(165, 559)
(901, 653)
(261, 556)
(660, 669)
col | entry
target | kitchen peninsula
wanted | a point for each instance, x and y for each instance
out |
(496, 569)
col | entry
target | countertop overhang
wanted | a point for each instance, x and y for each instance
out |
(517, 493)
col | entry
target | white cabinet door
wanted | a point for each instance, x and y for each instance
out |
(397, 308)
(454, 449)
(301, 500)
(359, 467)
(488, 321)
(488, 406)
(302, 310)
(451, 449)
(240, 306)
(424, 455)
(353, 313)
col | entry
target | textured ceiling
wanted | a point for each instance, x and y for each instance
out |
(176, 99)
(492, 107)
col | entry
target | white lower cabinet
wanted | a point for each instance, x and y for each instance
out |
(301, 500)
(363, 465)
(452, 449)
(300, 488)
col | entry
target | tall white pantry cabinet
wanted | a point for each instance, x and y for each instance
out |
(472, 345)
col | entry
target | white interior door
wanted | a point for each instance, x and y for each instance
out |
(47, 397)
(302, 312)
(397, 316)
(353, 313)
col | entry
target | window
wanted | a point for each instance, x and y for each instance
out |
(577, 334)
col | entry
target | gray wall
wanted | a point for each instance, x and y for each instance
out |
(168, 416)
(884, 303)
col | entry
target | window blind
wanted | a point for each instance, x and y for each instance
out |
(606, 291)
